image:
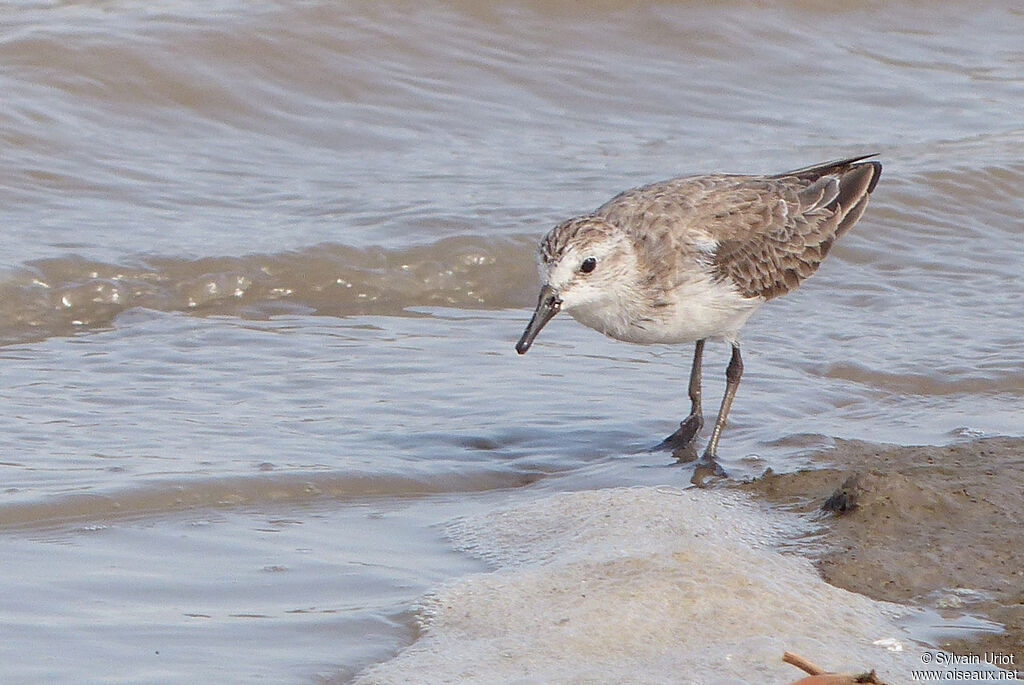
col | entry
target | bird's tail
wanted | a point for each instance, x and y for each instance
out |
(856, 179)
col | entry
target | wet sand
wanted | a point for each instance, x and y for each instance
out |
(939, 527)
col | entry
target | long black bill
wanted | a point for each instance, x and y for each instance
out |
(547, 306)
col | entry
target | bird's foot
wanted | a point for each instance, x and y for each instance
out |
(707, 470)
(683, 442)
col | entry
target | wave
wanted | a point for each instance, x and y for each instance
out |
(173, 496)
(62, 296)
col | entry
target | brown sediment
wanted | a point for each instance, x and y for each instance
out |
(940, 527)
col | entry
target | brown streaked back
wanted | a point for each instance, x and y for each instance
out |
(789, 224)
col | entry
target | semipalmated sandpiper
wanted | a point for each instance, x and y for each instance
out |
(692, 258)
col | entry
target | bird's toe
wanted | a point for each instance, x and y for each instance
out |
(683, 442)
(706, 471)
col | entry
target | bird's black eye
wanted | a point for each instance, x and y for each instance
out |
(588, 265)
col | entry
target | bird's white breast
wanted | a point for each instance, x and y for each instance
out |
(696, 309)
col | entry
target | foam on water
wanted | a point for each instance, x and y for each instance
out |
(640, 585)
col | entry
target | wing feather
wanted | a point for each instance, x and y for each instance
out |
(771, 254)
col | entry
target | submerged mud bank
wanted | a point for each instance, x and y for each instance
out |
(939, 527)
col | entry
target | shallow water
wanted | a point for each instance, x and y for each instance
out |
(264, 264)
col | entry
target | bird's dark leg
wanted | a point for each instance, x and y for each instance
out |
(709, 463)
(682, 441)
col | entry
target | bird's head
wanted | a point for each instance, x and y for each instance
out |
(585, 264)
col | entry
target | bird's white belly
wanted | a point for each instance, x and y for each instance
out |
(694, 311)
